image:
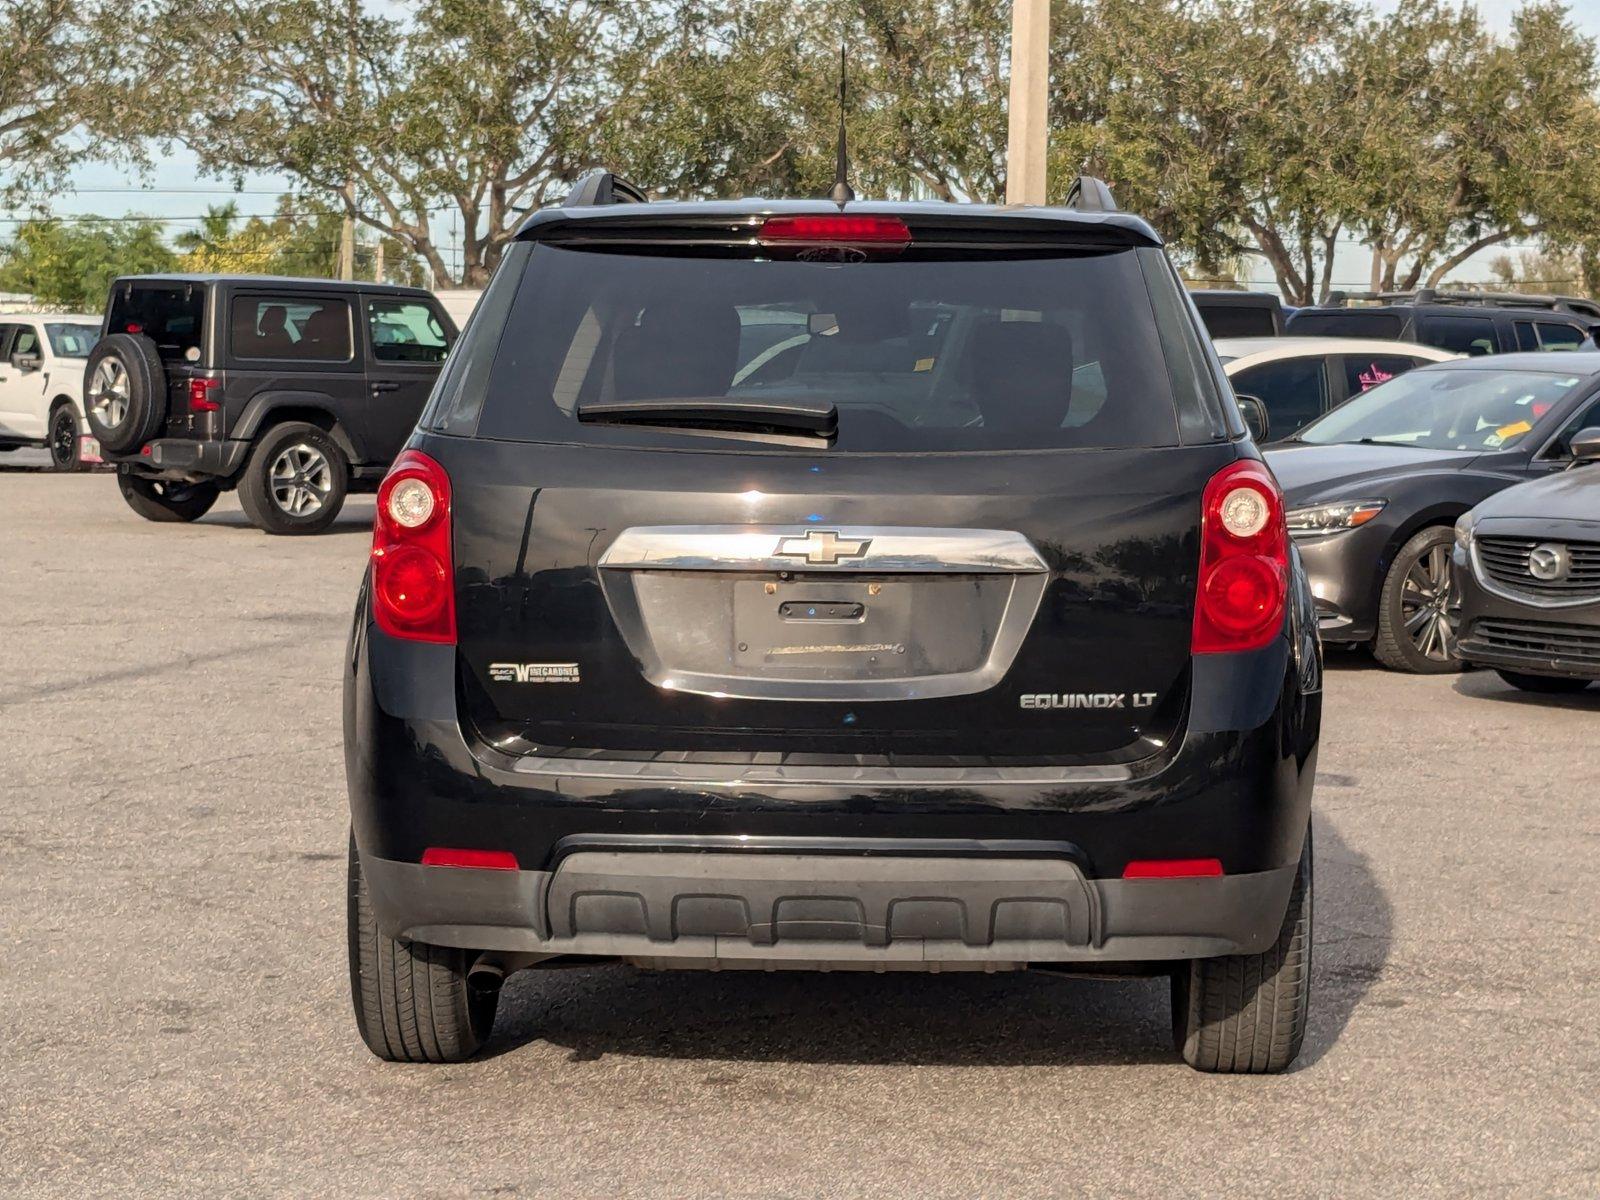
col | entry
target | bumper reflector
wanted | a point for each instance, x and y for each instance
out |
(1171, 868)
(482, 860)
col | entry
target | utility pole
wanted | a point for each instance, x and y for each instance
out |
(1028, 129)
(347, 227)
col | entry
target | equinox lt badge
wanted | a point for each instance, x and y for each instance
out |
(1088, 699)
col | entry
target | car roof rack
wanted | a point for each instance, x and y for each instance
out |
(1088, 194)
(603, 187)
(1482, 299)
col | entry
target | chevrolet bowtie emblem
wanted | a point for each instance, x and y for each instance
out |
(822, 547)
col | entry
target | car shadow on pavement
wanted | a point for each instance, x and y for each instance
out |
(355, 518)
(1486, 685)
(1032, 1018)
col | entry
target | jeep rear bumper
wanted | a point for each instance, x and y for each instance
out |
(786, 903)
(186, 458)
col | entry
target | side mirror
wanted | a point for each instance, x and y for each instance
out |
(1255, 417)
(1585, 446)
(24, 361)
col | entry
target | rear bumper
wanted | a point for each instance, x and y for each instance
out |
(885, 866)
(788, 905)
(186, 458)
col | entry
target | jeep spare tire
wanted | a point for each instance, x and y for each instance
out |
(125, 392)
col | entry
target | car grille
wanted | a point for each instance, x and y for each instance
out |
(1504, 560)
(1539, 639)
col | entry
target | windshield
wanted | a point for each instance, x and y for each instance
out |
(72, 341)
(1446, 408)
(915, 354)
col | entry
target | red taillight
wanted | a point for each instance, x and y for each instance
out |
(1244, 561)
(200, 395)
(413, 580)
(1172, 868)
(481, 860)
(835, 230)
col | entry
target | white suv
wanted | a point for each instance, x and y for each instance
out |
(42, 358)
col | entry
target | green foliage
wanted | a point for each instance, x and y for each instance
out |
(70, 264)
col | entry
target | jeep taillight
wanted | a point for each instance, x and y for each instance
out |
(413, 580)
(200, 400)
(1244, 561)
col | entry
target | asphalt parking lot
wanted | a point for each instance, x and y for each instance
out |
(172, 838)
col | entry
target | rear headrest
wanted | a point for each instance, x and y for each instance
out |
(684, 349)
(1021, 374)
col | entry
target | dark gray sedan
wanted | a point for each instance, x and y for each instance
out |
(1374, 488)
(1527, 569)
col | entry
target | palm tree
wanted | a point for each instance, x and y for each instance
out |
(216, 227)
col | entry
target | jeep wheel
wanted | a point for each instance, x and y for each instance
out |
(125, 392)
(414, 1002)
(1245, 1014)
(295, 481)
(166, 500)
(1549, 685)
(1416, 611)
(63, 437)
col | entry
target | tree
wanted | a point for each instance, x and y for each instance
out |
(1488, 141)
(70, 264)
(43, 54)
(301, 239)
(480, 108)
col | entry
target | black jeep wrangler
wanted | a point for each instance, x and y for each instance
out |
(833, 586)
(294, 391)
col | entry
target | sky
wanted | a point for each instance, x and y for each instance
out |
(175, 191)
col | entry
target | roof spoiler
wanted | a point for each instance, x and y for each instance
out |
(1088, 194)
(603, 187)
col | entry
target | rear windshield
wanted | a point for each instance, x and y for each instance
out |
(170, 315)
(916, 355)
(1347, 323)
(1237, 320)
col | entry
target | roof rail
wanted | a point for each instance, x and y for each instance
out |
(1088, 194)
(603, 187)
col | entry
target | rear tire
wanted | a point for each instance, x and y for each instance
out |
(1416, 617)
(62, 436)
(295, 481)
(413, 1001)
(166, 500)
(1550, 685)
(1245, 1014)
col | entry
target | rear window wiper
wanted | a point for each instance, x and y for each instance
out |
(815, 417)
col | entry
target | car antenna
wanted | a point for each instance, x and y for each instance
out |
(842, 193)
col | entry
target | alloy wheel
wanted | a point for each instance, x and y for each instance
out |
(63, 439)
(300, 480)
(108, 392)
(1426, 604)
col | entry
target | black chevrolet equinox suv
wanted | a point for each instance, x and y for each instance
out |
(802, 585)
(294, 391)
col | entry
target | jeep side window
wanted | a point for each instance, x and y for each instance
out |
(296, 328)
(406, 331)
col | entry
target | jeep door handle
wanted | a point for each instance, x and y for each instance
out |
(385, 387)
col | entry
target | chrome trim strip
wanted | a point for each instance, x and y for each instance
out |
(720, 775)
(886, 549)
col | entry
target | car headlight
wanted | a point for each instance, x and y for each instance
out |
(1332, 518)
(1464, 524)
